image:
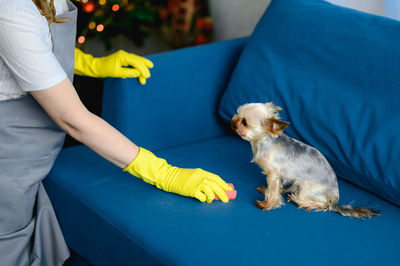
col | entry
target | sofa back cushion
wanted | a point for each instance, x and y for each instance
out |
(336, 73)
(179, 103)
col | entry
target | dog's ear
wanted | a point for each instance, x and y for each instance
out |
(275, 109)
(274, 126)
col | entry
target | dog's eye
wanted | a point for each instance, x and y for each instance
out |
(244, 122)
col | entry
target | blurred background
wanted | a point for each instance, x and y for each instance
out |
(153, 26)
(147, 27)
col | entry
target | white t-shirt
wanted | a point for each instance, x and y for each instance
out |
(27, 61)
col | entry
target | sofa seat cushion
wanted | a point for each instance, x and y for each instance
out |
(335, 71)
(112, 218)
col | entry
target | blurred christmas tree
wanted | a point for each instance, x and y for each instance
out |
(186, 22)
(183, 22)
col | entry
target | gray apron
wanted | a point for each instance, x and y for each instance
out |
(29, 144)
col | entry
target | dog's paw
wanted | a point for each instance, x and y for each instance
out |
(267, 205)
(291, 197)
(261, 189)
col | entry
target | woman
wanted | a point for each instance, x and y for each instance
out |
(37, 104)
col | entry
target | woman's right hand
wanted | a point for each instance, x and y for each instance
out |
(196, 183)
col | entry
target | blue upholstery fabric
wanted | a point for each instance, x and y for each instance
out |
(76, 260)
(113, 218)
(173, 108)
(335, 71)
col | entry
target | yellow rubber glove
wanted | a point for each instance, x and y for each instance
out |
(120, 64)
(196, 183)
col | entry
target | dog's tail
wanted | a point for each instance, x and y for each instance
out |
(350, 211)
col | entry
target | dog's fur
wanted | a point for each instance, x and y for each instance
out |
(290, 165)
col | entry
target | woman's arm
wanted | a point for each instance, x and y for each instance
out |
(62, 104)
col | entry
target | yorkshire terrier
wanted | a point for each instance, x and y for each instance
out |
(290, 165)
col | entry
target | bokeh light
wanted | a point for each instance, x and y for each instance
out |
(81, 39)
(115, 8)
(100, 27)
(89, 7)
(92, 25)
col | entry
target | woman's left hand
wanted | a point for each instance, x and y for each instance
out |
(120, 64)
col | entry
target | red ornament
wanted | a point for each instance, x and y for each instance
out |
(200, 23)
(89, 6)
(201, 39)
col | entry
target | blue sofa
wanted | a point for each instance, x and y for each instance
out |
(112, 218)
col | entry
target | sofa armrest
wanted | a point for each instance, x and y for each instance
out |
(179, 103)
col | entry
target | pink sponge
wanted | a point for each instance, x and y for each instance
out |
(230, 193)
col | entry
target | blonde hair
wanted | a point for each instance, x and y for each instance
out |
(47, 9)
